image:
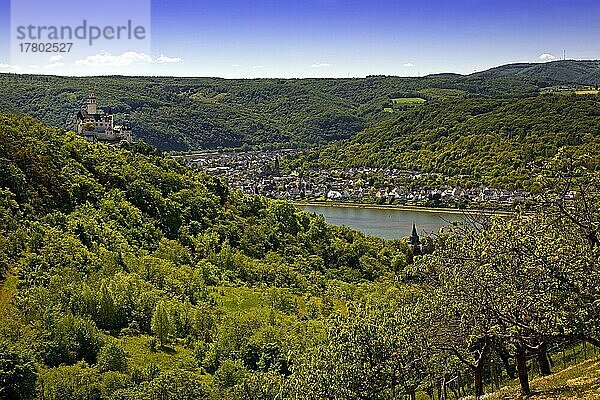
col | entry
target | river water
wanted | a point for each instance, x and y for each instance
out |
(385, 222)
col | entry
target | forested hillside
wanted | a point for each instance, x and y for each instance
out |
(193, 113)
(98, 243)
(567, 71)
(125, 275)
(491, 141)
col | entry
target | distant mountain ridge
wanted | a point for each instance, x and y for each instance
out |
(585, 72)
(175, 113)
(194, 113)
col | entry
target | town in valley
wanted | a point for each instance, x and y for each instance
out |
(260, 172)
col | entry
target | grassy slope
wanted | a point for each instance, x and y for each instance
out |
(580, 381)
(26, 143)
(8, 289)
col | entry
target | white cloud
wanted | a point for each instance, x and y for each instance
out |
(258, 67)
(547, 57)
(54, 62)
(235, 65)
(125, 59)
(108, 60)
(408, 65)
(321, 65)
(168, 60)
(54, 65)
(9, 67)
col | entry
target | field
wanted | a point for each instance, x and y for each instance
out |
(405, 101)
(140, 354)
(570, 90)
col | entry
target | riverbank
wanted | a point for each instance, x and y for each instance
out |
(402, 208)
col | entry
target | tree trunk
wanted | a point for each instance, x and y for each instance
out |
(503, 354)
(478, 381)
(495, 379)
(456, 394)
(522, 370)
(543, 361)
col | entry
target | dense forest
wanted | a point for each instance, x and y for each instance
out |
(130, 271)
(585, 72)
(195, 113)
(489, 127)
(493, 141)
(125, 275)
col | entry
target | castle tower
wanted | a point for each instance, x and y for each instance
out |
(91, 103)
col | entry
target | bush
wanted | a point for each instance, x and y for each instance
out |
(73, 338)
(113, 381)
(72, 382)
(112, 358)
(230, 373)
(178, 385)
(17, 374)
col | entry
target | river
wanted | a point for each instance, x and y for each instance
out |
(387, 223)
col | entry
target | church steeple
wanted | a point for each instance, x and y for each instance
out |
(276, 166)
(414, 239)
(91, 102)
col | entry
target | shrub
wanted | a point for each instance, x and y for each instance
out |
(112, 358)
(17, 374)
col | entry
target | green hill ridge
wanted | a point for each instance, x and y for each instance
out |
(192, 113)
(491, 141)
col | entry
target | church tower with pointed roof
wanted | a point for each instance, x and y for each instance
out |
(414, 241)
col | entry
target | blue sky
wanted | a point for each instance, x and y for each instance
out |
(339, 38)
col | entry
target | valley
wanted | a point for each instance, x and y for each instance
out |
(301, 238)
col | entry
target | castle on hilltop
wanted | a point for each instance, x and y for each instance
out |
(96, 126)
